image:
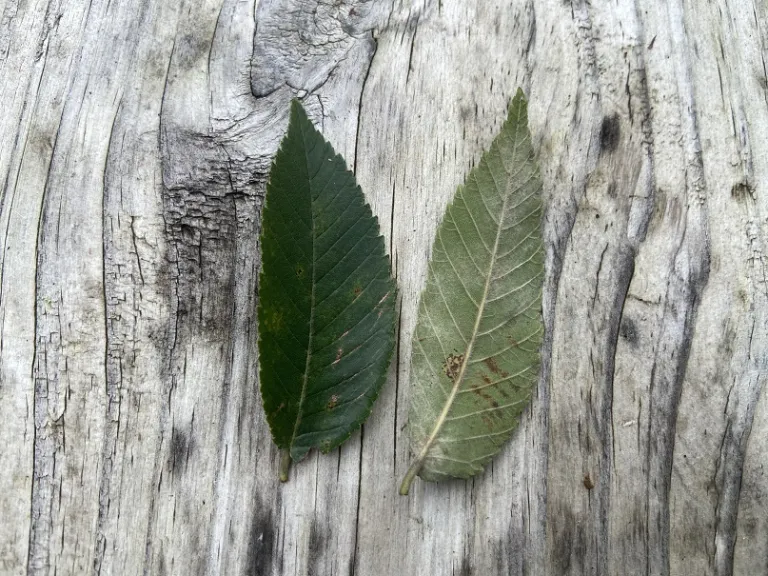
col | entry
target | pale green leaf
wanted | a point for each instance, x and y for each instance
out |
(476, 346)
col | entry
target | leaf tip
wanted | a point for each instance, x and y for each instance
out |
(298, 115)
(519, 106)
(296, 105)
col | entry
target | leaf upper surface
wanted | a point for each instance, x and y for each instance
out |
(476, 345)
(326, 297)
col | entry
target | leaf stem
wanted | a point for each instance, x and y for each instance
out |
(285, 464)
(459, 378)
(405, 485)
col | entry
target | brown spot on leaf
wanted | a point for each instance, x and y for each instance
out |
(512, 342)
(339, 353)
(357, 290)
(486, 379)
(588, 484)
(332, 402)
(492, 366)
(479, 390)
(452, 365)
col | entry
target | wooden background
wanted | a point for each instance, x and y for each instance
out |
(135, 140)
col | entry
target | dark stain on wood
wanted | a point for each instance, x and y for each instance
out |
(206, 214)
(569, 547)
(628, 331)
(190, 49)
(316, 547)
(510, 555)
(562, 540)
(610, 131)
(180, 449)
(261, 539)
(588, 484)
(741, 192)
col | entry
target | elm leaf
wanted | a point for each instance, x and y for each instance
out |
(326, 298)
(476, 345)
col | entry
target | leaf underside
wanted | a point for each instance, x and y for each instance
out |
(326, 297)
(476, 345)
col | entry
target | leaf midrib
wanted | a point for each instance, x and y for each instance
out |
(310, 339)
(417, 464)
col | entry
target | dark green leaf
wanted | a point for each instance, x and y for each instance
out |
(326, 298)
(476, 345)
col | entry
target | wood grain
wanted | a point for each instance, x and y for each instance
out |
(135, 144)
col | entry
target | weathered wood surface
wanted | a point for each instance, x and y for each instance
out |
(135, 141)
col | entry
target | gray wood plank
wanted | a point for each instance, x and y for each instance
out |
(135, 145)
